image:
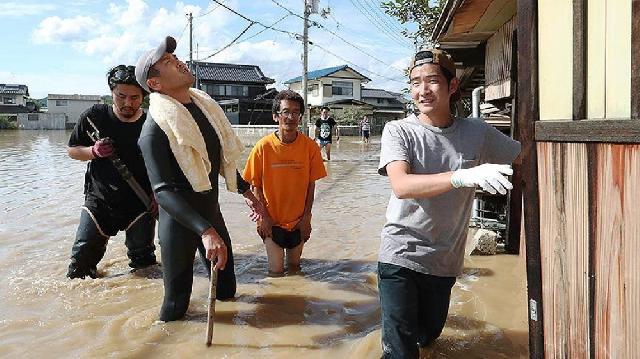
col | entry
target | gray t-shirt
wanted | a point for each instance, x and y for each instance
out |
(428, 235)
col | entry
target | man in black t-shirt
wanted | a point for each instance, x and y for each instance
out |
(111, 205)
(324, 131)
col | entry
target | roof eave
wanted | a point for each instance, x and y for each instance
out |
(445, 19)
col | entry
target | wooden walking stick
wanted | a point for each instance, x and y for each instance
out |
(212, 303)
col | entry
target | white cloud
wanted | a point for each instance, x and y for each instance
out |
(54, 29)
(131, 15)
(132, 27)
(23, 9)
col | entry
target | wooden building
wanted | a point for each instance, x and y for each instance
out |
(241, 90)
(480, 36)
(577, 105)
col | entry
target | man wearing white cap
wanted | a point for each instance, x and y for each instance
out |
(186, 144)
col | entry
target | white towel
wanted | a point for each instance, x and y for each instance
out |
(187, 143)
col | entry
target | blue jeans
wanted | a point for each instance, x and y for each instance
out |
(414, 309)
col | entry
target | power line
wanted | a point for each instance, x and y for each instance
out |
(395, 39)
(182, 33)
(358, 66)
(248, 38)
(266, 28)
(331, 32)
(375, 20)
(383, 16)
(254, 21)
(207, 13)
(398, 38)
(231, 43)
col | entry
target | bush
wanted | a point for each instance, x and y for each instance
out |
(5, 124)
(350, 116)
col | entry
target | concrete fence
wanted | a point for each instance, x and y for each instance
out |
(250, 134)
(42, 121)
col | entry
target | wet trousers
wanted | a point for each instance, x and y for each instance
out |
(414, 309)
(179, 245)
(90, 245)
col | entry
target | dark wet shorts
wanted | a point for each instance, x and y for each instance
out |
(365, 133)
(323, 143)
(285, 239)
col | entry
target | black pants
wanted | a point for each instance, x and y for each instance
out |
(90, 245)
(179, 245)
(414, 309)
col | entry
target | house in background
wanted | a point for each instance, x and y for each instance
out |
(333, 85)
(72, 106)
(388, 106)
(241, 90)
(13, 100)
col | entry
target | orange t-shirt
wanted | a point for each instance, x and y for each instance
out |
(284, 171)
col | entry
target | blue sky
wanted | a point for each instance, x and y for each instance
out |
(67, 46)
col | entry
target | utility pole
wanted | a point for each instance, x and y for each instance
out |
(305, 64)
(190, 41)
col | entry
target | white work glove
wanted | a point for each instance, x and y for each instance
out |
(488, 176)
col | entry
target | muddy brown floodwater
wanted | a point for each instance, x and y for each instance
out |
(330, 311)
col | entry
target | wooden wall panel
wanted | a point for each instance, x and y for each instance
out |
(564, 248)
(618, 59)
(498, 62)
(555, 59)
(617, 252)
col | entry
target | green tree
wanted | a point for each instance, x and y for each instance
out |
(350, 116)
(424, 13)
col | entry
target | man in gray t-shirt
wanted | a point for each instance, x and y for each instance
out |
(434, 163)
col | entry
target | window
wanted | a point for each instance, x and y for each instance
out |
(230, 108)
(62, 103)
(342, 88)
(379, 100)
(227, 90)
(313, 89)
(9, 101)
(233, 90)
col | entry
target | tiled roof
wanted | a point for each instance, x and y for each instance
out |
(231, 73)
(316, 74)
(13, 89)
(53, 96)
(380, 93)
(376, 93)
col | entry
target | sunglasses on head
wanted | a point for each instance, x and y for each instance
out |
(122, 73)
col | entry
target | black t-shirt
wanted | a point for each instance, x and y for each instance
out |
(326, 128)
(103, 183)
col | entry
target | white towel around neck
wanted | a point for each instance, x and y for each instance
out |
(187, 143)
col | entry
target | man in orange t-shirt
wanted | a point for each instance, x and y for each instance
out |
(282, 169)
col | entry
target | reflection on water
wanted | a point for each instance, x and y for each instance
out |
(331, 309)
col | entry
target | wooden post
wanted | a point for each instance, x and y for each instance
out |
(579, 60)
(212, 303)
(528, 112)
